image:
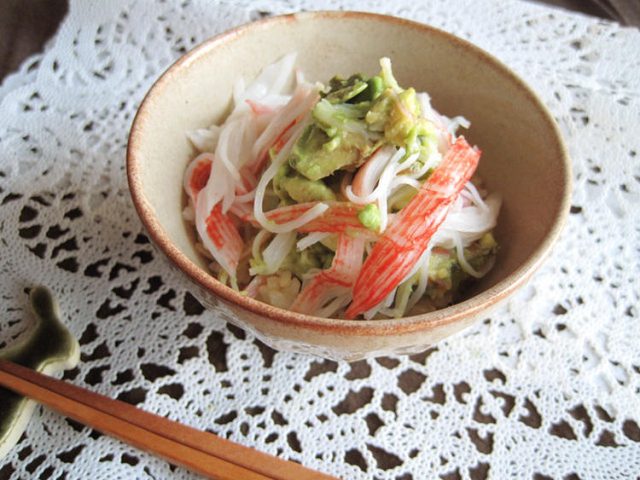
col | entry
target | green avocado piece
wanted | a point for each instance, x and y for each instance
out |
(344, 124)
(281, 175)
(315, 256)
(378, 114)
(403, 117)
(375, 86)
(342, 90)
(302, 189)
(398, 116)
(315, 156)
(441, 266)
(49, 348)
(445, 273)
(369, 217)
(488, 241)
(401, 198)
(481, 251)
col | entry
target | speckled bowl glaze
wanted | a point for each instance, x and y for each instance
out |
(523, 158)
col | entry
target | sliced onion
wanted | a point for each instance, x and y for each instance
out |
(333, 306)
(369, 175)
(205, 139)
(466, 266)
(302, 101)
(272, 80)
(222, 150)
(311, 239)
(423, 280)
(473, 194)
(276, 252)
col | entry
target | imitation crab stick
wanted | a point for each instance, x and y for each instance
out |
(223, 234)
(339, 217)
(407, 237)
(337, 279)
(197, 174)
(218, 232)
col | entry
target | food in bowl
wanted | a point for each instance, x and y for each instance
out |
(523, 158)
(352, 200)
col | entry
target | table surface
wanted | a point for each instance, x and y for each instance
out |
(24, 31)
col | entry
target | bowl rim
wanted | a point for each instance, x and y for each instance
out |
(386, 327)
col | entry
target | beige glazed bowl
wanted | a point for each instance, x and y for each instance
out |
(523, 159)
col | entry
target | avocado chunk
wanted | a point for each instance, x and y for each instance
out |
(403, 117)
(278, 188)
(292, 187)
(482, 251)
(315, 256)
(369, 217)
(378, 114)
(342, 90)
(315, 156)
(354, 117)
(302, 189)
(375, 86)
(356, 89)
(447, 275)
(442, 266)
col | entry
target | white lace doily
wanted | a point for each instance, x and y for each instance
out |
(548, 387)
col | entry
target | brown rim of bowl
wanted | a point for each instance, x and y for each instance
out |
(451, 314)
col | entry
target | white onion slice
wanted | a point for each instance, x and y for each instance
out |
(205, 139)
(466, 266)
(301, 102)
(276, 252)
(311, 239)
(333, 306)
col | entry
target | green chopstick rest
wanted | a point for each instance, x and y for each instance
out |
(48, 348)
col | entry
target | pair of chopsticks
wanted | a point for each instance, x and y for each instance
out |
(198, 451)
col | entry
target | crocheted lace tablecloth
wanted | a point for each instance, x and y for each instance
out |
(547, 387)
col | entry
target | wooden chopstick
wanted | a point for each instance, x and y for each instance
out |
(198, 451)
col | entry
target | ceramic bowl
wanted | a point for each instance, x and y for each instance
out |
(523, 158)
